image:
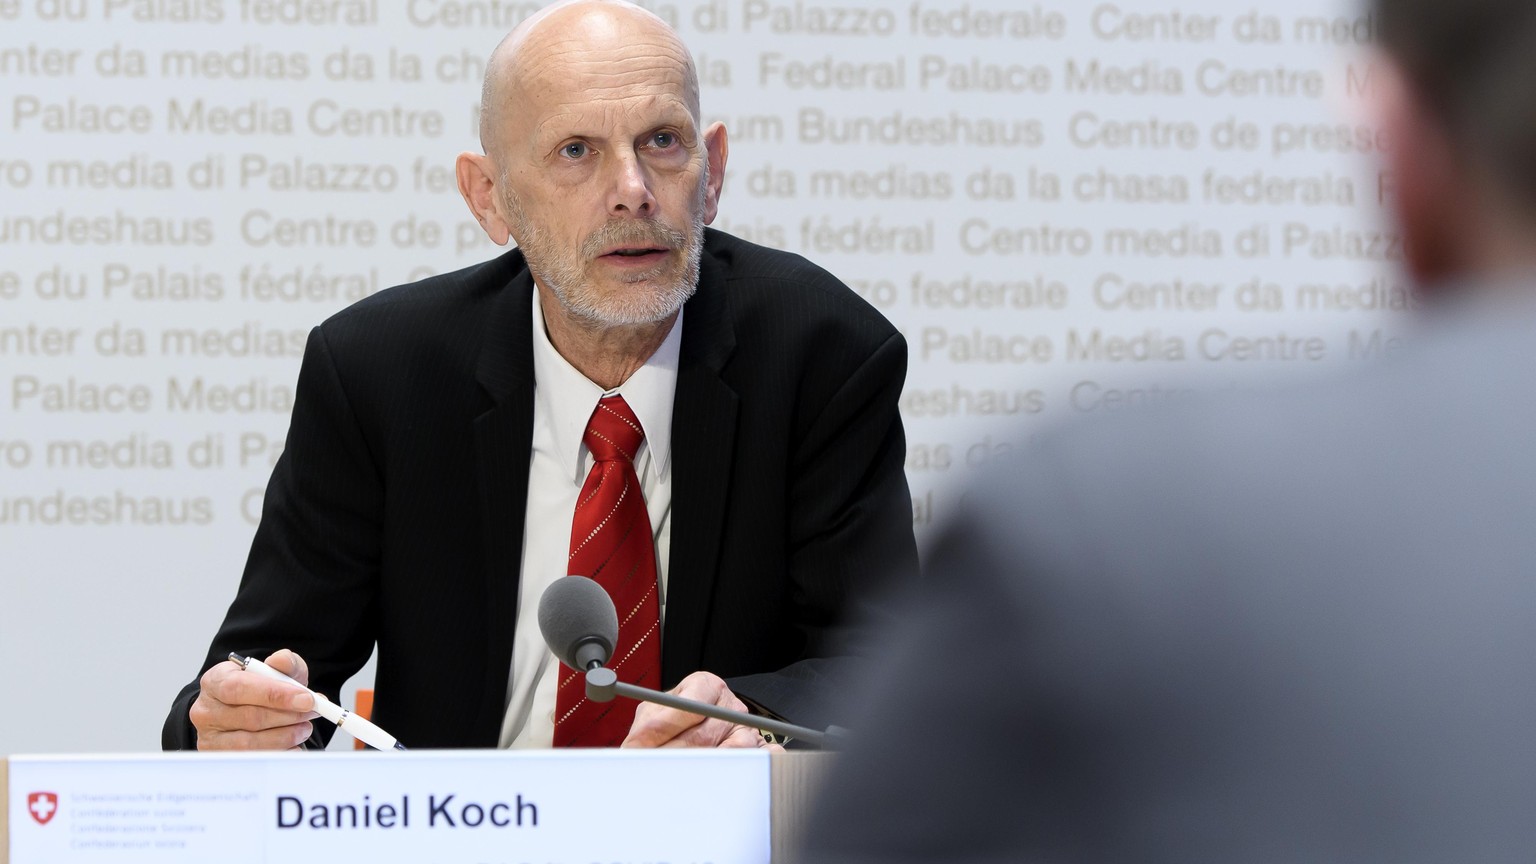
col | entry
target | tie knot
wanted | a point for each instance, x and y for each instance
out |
(613, 432)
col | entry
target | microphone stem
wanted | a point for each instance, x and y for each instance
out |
(777, 727)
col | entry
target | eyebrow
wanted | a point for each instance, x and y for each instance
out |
(578, 124)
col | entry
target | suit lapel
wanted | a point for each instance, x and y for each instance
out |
(503, 440)
(703, 447)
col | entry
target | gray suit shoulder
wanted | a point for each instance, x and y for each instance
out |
(1377, 469)
(1254, 611)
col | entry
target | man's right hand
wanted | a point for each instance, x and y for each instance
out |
(239, 710)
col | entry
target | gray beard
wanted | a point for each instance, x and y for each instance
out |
(639, 307)
(562, 273)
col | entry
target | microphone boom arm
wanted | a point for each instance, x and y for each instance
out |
(603, 685)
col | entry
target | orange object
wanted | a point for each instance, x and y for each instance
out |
(362, 707)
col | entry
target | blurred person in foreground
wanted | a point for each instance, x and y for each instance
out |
(1288, 628)
(706, 427)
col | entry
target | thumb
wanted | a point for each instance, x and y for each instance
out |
(290, 664)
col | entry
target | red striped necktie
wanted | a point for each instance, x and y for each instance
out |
(611, 543)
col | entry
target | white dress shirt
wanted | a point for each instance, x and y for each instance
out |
(563, 401)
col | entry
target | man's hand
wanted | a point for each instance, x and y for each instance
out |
(657, 726)
(239, 710)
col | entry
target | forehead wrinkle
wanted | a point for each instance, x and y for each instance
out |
(585, 83)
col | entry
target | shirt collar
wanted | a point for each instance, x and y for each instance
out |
(567, 398)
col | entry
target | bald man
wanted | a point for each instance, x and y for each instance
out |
(439, 459)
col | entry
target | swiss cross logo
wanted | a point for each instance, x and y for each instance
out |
(42, 806)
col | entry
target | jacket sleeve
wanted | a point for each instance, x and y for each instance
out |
(310, 580)
(849, 535)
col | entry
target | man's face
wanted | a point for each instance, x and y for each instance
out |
(604, 183)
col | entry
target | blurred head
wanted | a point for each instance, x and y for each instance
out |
(1461, 114)
(594, 160)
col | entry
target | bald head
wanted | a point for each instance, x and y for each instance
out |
(595, 164)
(540, 51)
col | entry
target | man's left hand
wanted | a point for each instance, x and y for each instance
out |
(657, 726)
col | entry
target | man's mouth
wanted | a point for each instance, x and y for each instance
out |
(638, 252)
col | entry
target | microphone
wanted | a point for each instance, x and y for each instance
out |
(578, 621)
(581, 627)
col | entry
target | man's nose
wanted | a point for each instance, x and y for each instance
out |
(630, 192)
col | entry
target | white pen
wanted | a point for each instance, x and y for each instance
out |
(358, 727)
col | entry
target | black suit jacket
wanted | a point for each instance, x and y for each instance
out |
(396, 512)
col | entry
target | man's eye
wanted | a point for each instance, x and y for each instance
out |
(574, 150)
(664, 140)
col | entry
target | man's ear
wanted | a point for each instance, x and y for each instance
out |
(477, 183)
(1433, 198)
(716, 149)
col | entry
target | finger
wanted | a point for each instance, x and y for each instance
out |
(229, 684)
(742, 736)
(289, 663)
(707, 733)
(280, 738)
(716, 733)
(655, 725)
(249, 688)
(255, 718)
(213, 718)
(709, 688)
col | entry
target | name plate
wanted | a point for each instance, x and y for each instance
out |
(446, 807)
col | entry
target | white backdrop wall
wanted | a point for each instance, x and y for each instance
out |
(1068, 208)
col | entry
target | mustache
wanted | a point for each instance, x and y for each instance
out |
(631, 232)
